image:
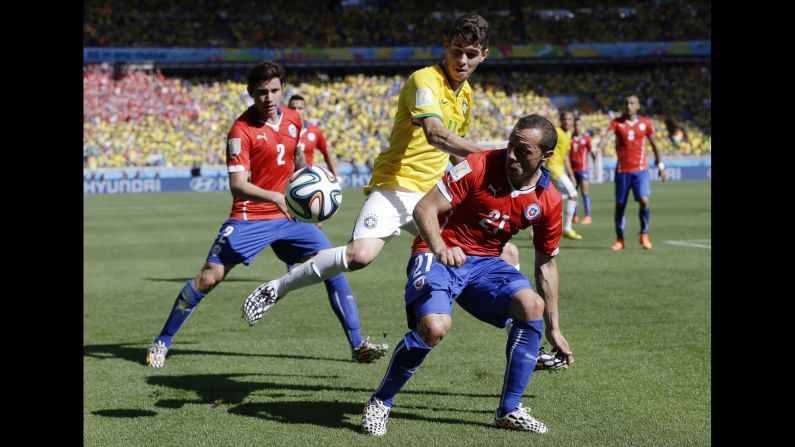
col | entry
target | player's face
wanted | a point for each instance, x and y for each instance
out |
(566, 121)
(267, 96)
(298, 105)
(579, 127)
(461, 59)
(524, 156)
(631, 105)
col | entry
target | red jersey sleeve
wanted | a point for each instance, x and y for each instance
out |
(613, 125)
(588, 143)
(649, 127)
(238, 144)
(463, 178)
(547, 232)
(321, 142)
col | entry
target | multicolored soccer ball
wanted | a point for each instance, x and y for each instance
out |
(313, 194)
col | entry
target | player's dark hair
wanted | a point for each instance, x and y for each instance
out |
(549, 137)
(264, 71)
(296, 98)
(564, 112)
(472, 29)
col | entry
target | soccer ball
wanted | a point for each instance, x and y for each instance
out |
(313, 194)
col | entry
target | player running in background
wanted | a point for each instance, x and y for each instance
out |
(560, 170)
(261, 157)
(463, 227)
(632, 169)
(433, 115)
(578, 157)
(311, 136)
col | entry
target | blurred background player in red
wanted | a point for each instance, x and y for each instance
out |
(312, 137)
(578, 157)
(632, 170)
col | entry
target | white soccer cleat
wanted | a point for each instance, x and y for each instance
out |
(520, 420)
(549, 361)
(367, 351)
(156, 354)
(259, 302)
(374, 417)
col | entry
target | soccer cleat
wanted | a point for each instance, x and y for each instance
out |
(644, 241)
(575, 219)
(586, 220)
(374, 417)
(619, 245)
(571, 234)
(549, 361)
(520, 420)
(367, 351)
(156, 354)
(259, 302)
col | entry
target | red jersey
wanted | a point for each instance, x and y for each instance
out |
(312, 138)
(266, 151)
(631, 143)
(488, 211)
(580, 152)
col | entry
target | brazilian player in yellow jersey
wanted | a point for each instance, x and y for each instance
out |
(432, 118)
(560, 170)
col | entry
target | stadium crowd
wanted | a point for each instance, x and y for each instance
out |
(143, 118)
(239, 23)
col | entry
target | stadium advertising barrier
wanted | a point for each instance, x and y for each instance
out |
(93, 55)
(109, 183)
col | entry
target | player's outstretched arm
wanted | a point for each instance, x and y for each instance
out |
(548, 282)
(446, 140)
(657, 159)
(241, 188)
(426, 218)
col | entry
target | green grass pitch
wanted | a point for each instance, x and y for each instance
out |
(638, 323)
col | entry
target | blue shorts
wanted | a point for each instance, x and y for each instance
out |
(637, 180)
(483, 286)
(579, 176)
(240, 241)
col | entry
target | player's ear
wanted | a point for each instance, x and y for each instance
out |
(485, 53)
(548, 154)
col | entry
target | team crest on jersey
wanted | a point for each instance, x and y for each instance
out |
(310, 136)
(233, 146)
(464, 106)
(370, 221)
(642, 126)
(460, 170)
(532, 212)
(423, 97)
(293, 131)
(419, 282)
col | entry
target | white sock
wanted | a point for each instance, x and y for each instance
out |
(568, 214)
(324, 265)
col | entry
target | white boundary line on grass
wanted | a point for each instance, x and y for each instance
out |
(697, 243)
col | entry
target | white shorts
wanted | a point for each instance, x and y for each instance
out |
(385, 213)
(565, 187)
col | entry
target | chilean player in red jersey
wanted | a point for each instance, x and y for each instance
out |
(463, 224)
(311, 136)
(578, 157)
(632, 170)
(261, 157)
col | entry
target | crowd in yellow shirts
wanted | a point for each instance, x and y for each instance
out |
(146, 119)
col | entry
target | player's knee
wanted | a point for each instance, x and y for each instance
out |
(527, 306)
(644, 202)
(359, 257)
(433, 328)
(510, 254)
(206, 280)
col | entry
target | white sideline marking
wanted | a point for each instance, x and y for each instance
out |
(697, 243)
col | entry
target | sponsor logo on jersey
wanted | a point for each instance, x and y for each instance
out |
(262, 137)
(370, 221)
(419, 282)
(642, 126)
(493, 190)
(464, 106)
(311, 136)
(532, 212)
(460, 170)
(423, 97)
(293, 131)
(233, 146)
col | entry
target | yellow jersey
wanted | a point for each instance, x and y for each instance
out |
(411, 163)
(557, 162)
